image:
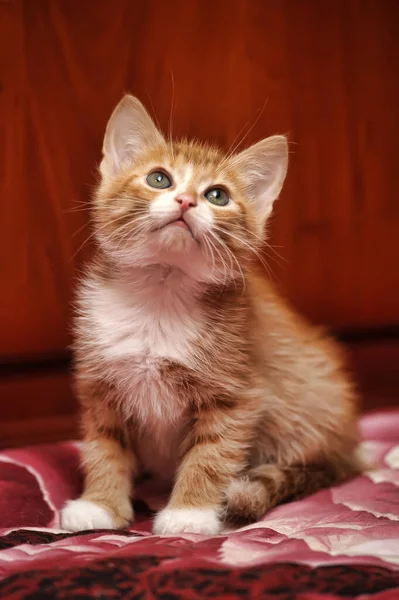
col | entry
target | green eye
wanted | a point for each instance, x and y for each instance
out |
(217, 196)
(159, 179)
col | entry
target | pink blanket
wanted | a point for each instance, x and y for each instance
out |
(355, 524)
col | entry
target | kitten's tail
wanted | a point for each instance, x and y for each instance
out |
(251, 496)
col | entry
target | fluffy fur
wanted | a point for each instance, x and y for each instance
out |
(188, 364)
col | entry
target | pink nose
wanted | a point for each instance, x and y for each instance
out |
(186, 201)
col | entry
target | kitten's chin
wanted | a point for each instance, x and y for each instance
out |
(184, 254)
(175, 248)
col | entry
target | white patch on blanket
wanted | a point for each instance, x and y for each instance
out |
(392, 458)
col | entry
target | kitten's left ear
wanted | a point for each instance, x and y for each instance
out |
(264, 167)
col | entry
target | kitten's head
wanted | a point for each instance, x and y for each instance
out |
(182, 203)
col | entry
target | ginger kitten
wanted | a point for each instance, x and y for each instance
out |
(188, 364)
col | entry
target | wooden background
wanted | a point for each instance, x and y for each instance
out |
(326, 72)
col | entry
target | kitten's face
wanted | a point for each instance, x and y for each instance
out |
(179, 204)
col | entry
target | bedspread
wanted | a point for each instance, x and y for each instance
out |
(339, 543)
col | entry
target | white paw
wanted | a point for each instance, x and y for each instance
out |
(79, 515)
(172, 521)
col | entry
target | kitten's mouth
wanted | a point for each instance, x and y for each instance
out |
(179, 222)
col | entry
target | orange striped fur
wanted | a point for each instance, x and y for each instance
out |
(188, 363)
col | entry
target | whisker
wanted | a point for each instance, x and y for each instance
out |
(153, 109)
(232, 255)
(75, 233)
(266, 244)
(232, 150)
(221, 259)
(97, 229)
(277, 254)
(171, 113)
(75, 210)
(208, 248)
(247, 245)
(229, 253)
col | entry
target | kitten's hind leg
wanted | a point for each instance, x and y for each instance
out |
(265, 486)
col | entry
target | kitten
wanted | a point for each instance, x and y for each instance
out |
(188, 364)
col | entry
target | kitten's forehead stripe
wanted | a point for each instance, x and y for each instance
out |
(195, 164)
(183, 153)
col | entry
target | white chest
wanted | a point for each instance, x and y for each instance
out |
(135, 331)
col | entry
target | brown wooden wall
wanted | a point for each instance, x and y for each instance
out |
(324, 71)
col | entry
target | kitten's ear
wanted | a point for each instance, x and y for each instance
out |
(264, 167)
(130, 129)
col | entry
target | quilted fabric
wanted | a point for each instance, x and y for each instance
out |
(341, 542)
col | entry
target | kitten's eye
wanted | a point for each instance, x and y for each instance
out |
(159, 179)
(217, 196)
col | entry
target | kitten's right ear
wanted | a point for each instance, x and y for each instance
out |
(264, 166)
(130, 129)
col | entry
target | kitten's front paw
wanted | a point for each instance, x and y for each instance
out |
(171, 521)
(80, 515)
